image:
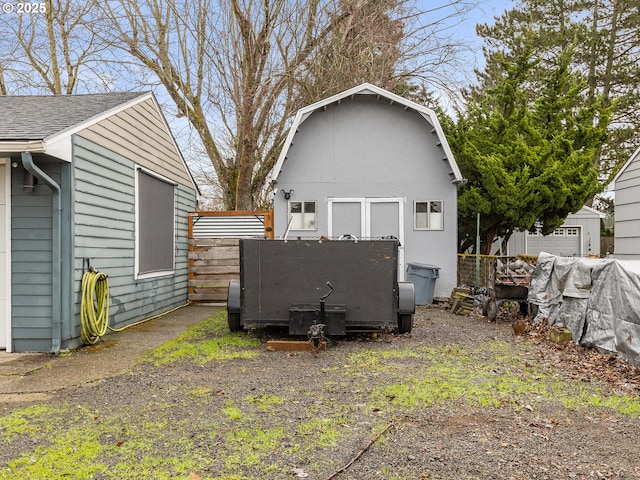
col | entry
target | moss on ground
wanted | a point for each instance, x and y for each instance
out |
(207, 341)
(255, 436)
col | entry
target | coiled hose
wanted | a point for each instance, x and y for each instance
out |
(94, 306)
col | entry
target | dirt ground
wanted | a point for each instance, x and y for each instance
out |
(458, 398)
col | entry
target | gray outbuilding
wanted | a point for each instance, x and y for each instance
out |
(88, 181)
(626, 185)
(578, 236)
(367, 163)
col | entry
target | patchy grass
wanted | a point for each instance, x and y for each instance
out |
(261, 434)
(201, 392)
(264, 402)
(102, 445)
(488, 375)
(209, 340)
(323, 430)
(25, 422)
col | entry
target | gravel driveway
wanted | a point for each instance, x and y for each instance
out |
(459, 398)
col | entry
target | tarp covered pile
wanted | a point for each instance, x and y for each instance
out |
(597, 299)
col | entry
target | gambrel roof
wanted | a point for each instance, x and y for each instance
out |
(383, 95)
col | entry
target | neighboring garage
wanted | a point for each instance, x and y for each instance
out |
(564, 241)
(579, 236)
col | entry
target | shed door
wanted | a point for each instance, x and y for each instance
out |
(368, 218)
(5, 272)
(346, 217)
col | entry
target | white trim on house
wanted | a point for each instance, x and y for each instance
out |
(174, 142)
(369, 89)
(592, 210)
(612, 183)
(5, 229)
(33, 146)
(163, 273)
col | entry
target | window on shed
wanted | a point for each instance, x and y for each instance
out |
(154, 225)
(428, 215)
(572, 232)
(302, 215)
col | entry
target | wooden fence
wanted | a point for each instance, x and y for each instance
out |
(213, 262)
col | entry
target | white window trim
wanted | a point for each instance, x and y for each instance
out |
(160, 273)
(315, 214)
(428, 229)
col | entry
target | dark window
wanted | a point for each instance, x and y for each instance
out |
(155, 224)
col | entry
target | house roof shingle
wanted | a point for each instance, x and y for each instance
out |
(36, 117)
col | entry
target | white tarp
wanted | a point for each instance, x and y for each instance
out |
(597, 299)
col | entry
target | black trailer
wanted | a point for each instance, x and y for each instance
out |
(345, 285)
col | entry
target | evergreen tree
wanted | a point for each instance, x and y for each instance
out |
(607, 35)
(527, 162)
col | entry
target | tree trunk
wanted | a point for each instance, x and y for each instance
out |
(487, 238)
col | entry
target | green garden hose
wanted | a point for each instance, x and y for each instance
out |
(94, 306)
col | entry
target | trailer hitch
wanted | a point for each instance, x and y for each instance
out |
(316, 330)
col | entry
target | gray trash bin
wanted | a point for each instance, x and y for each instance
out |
(423, 278)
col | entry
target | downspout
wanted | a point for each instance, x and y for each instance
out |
(56, 254)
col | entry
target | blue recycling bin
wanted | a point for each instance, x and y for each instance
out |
(423, 278)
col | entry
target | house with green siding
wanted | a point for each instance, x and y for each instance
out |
(88, 181)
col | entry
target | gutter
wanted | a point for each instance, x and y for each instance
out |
(56, 254)
(11, 146)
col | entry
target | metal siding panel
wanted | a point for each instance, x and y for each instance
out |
(630, 176)
(232, 226)
(626, 247)
(628, 212)
(628, 229)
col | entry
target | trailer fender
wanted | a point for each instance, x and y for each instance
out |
(233, 297)
(406, 298)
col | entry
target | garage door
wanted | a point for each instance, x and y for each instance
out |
(565, 241)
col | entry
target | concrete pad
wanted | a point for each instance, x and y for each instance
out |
(28, 376)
